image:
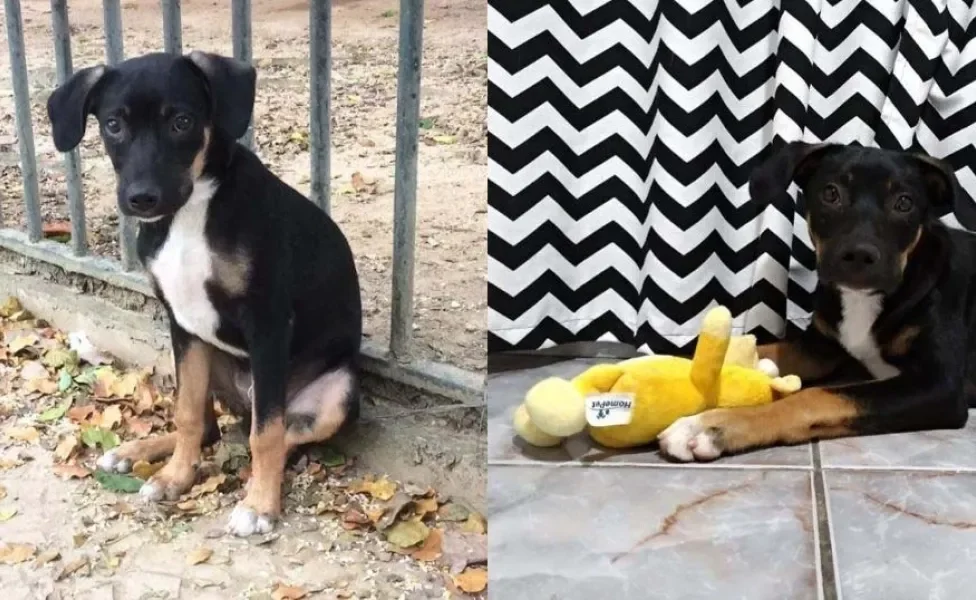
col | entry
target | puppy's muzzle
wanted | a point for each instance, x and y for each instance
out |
(858, 265)
(142, 201)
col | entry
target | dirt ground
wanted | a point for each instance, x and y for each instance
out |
(71, 532)
(451, 222)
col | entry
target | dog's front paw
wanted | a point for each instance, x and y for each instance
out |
(113, 462)
(688, 439)
(245, 521)
(168, 484)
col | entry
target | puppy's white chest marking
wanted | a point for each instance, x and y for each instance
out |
(859, 311)
(183, 266)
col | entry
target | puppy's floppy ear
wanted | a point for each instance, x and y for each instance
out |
(69, 105)
(945, 195)
(796, 161)
(231, 84)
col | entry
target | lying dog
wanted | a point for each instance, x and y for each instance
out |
(893, 309)
(259, 284)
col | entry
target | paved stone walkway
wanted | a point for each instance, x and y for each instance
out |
(886, 517)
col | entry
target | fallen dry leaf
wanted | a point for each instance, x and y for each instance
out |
(462, 549)
(472, 580)
(47, 556)
(20, 342)
(144, 470)
(66, 447)
(33, 369)
(406, 534)
(24, 434)
(105, 378)
(7, 513)
(200, 555)
(43, 385)
(139, 427)
(209, 486)
(287, 592)
(71, 567)
(56, 228)
(10, 307)
(431, 550)
(393, 509)
(425, 506)
(381, 489)
(353, 518)
(13, 554)
(9, 463)
(71, 471)
(110, 417)
(374, 514)
(145, 398)
(452, 511)
(475, 524)
(82, 414)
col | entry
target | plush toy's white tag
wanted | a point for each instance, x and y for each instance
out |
(605, 410)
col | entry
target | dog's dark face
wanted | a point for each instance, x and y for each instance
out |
(158, 115)
(866, 208)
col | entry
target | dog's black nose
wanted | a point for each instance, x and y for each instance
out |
(143, 202)
(861, 255)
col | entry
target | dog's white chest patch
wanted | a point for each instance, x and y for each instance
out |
(859, 311)
(183, 266)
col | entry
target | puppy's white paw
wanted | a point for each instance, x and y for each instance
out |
(245, 521)
(111, 462)
(151, 492)
(688, 440)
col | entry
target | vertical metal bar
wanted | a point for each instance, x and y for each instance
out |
(72, 162)
(172, 27)
(114, 54)
(25, 129)
(405, 174)
(241, 32)
(320, 106)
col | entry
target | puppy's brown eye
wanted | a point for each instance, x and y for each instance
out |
(113, 126)
(182, 123)
(904, 204)
(831, 195)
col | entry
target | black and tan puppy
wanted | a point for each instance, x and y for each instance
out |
(259, 284)
(894, 307)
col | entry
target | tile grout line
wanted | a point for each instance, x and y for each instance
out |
(828, 571)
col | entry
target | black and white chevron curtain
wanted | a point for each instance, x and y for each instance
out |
(622, 134)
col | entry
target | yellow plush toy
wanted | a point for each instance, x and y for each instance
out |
(629, 403)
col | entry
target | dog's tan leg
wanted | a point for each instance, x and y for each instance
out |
(262, 503)
(813, 413)
(190, 418)
(316, 410)
(150, 449)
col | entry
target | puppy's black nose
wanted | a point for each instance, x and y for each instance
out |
(143, 202)
(861, 255)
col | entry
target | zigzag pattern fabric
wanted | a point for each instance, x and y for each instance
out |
(622, 134)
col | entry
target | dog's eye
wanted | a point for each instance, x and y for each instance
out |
(182, 123)
(113, 126)
(831, 195)
(904, 204)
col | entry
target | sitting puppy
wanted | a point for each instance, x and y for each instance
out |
(259, 284)
(894, 308)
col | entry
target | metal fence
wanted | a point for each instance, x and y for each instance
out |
(396, 362)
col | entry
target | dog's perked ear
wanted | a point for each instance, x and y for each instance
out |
(796, 161)
(231, 85)
(69, 105)
(945, 195)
